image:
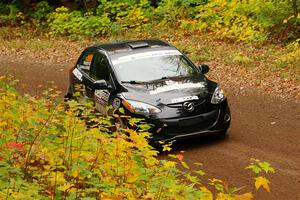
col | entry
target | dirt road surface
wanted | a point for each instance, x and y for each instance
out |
(263, 127)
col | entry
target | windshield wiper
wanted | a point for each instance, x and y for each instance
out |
(168, 78)
(165, 77)
(154, 80)
(159, 79)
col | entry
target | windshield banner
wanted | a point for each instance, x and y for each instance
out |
(145, 55)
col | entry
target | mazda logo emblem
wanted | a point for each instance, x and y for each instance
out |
(188, 106)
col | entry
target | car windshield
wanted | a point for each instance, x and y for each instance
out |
(150, 66)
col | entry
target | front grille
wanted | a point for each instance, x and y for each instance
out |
(201, 106)
(190, 124)
(179, 105)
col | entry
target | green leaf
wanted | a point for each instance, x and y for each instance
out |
(200, 172)
(266, 167)
(172, 156)
(185, 165)
(219, 187)
(144, 127)
(256, 169)
(121, 110)
(193, 179)
(198, 163)
(65, 187)
(233, 190)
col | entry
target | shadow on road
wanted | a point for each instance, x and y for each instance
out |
(199, 142)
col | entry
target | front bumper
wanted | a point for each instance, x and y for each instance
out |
(216, 121)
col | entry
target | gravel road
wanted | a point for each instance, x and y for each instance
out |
(263, 127)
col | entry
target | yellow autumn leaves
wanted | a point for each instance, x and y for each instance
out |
(262, 182)
(47, 152)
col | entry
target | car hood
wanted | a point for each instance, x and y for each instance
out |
(169, 91)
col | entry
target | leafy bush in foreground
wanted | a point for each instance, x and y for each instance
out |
(49, 153)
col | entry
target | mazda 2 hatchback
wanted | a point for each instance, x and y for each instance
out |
(153, 80)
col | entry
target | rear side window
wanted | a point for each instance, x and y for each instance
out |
(85, 62)
(99, 68)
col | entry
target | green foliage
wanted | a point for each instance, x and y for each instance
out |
(173, 12)
(42, 9)
(2, 8)
(259, 167)
(10, 14)
(47, 152)
(246, 20)
(64, 22)
(289, 61)
(169, 11)
(109, 16)
(41, 12)
(117, 10)
(250, 20)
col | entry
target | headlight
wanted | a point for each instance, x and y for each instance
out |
(140, 108)
(218, 96)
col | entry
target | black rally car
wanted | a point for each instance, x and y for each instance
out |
(153, 80)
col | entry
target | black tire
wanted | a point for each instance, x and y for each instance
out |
(223, 132)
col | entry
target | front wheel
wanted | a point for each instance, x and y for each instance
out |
(223, 132)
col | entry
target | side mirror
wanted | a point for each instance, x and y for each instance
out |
(100, 85)
(203, 68)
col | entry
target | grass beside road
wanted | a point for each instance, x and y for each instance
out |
(272, 68)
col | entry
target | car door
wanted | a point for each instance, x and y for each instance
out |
(100, 71)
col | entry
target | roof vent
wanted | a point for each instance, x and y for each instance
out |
(135, 45)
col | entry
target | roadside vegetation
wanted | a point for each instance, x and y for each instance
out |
(250, 21)
(248, 44)
(47, 152)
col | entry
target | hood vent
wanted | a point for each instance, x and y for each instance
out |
(135, 45)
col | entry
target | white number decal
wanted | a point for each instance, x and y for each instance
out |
(182, 99)
(78, 74)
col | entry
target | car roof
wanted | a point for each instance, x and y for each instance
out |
(131, 46)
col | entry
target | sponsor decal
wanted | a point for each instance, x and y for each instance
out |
(182, 99)
(102, 96)
(84, 67)
(86, 63)
(145, 55)
(101, 100)
(116, 103)
(177, 86)
(77, 74)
